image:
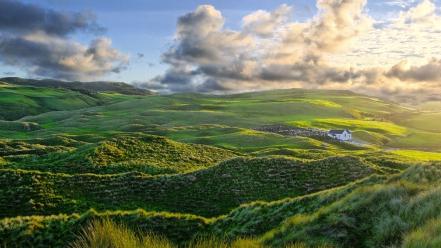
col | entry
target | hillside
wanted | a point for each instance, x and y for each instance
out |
(84, 87)
(19, 101)
(228, 121)
(191, 165)
(393, 210)
(123, 153)
(207, 192)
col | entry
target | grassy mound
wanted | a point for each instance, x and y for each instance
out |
(207, 192)
(62, 230)
(143, 153)
(256, 218)
(379, 211)
(14, 149)
(371, 216)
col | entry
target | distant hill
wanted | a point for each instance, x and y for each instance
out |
(93, 87)
(17, 101)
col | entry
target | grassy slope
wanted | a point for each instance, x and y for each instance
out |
(378, 211)
(341, 216)
(207, 192)
(373, 216)
(60, 230)
(225, 120)
(20, 101)
(88, 87)
(142, 153)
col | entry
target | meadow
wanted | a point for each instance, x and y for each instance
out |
(113, 167)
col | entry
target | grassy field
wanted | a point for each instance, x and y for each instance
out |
(223, 120)
(191, 170)
(20, 101)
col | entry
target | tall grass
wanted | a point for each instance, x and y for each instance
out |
(106, 234)
(427, 236)
(215, 242)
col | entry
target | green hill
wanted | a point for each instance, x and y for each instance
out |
(372, 216)
(84, 87)
(228, 121)
(18, 101)
(124, 153)
(207, 192)
(60, 230)
(378, 211)
(188, 165)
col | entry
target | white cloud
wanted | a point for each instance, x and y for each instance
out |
(338, 48)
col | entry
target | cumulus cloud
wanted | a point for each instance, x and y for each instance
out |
(37, 40)
(269, 50)
(338, 48)
(264, 23)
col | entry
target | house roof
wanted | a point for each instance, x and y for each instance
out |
(338, 131)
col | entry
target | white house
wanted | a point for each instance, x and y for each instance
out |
(342, 135)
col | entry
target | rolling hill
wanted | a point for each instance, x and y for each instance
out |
(377, 211)
(187, 166)
(17, 101)
(84, 87)
(206, 192)
(228, 121)
(144, 153)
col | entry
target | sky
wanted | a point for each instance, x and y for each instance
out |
(383, 48)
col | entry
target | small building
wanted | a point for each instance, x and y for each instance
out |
(342, 135)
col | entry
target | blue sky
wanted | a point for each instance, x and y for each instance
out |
(377, 47)
(148, 26)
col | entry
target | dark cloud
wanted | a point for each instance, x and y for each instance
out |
(37, 41)
(18, 17)
(430, 72)
(51, 57)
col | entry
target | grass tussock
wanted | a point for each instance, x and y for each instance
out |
(428, 236)
(105, 233)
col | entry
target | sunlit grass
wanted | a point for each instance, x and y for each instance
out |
(354, 124)
(106, 234)
(418, 155)
(428, 236)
